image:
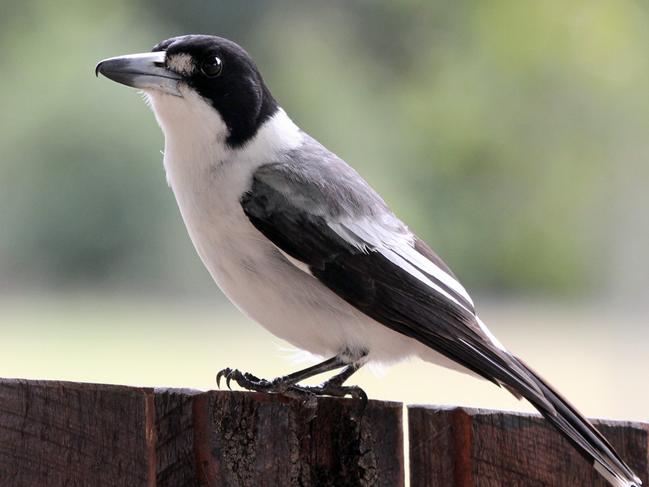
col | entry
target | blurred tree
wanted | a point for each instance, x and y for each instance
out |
(505, 133)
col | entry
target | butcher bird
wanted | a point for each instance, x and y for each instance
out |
(302, 244)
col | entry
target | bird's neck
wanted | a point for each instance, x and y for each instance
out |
(208, 178)
(196, 149)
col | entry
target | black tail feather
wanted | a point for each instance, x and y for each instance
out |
(587, 440)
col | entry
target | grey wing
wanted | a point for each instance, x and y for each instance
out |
(320, 212)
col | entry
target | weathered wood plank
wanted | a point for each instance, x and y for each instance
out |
(245, 439)
(61, 433)
(461, 447)
(174, 419)
(65, 434)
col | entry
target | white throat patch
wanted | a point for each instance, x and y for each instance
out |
(195, 134)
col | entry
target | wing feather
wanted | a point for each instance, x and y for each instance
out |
(367, 256)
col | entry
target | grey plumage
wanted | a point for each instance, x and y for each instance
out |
(322, 183)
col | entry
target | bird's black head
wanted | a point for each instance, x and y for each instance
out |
(218, 70)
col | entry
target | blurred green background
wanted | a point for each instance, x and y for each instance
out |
(511, 135)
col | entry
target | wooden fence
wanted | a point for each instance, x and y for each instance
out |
(68, 434)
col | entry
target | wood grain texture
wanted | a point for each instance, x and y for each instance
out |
(462, 447)
(246, 439)
(66, 434)
(174, 422)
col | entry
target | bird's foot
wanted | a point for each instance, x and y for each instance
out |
(335, 390)
(250, 382)
(283, 385)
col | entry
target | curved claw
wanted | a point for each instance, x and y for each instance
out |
(228, 379)
(359, 394)
(223, 373)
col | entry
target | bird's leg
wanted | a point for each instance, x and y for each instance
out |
(340, 378)
(279, 384)
(289, 383)
(334, 386)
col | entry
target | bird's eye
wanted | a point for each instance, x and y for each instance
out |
(212, 67)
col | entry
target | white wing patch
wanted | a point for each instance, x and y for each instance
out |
(430, 268)
(387, 236)
(490, 335)
(399, 261)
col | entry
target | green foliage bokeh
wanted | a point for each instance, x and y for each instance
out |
(510, 135)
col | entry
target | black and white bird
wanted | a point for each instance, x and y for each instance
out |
(304, 246)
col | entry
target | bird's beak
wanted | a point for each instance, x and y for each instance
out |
(144, 71)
